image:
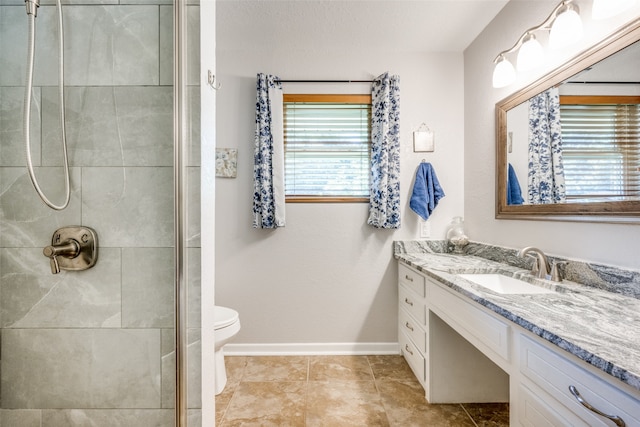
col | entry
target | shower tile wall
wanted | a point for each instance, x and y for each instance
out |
(96, 347)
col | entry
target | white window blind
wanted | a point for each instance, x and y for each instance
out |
(327, 148)
(601, 151)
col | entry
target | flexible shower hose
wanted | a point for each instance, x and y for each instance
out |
(27, 107)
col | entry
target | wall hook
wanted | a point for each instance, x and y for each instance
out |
(211, 80)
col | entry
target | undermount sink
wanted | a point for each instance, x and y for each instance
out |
(505, 284)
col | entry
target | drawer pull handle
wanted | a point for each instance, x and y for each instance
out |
(616, 419)
(408, 326)
(409, 278)
(406, 347)
(408, 302)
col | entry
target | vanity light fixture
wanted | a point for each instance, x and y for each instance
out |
(504, 74)
(530, 54)
(565, 28)
(603, 9)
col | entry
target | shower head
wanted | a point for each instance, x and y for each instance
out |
(32, 7)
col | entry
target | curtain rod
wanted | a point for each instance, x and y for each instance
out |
(602, 83)
(326, 81)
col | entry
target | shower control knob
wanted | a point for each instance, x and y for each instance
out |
(68, 249)
(55, 267)
(72, 248)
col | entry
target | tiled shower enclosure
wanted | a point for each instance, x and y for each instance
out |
(95, 347)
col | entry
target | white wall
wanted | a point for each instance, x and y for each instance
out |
(327, 277)
(614, 244)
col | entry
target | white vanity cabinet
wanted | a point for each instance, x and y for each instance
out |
(462, 352)
(412, 320)
(438, 346)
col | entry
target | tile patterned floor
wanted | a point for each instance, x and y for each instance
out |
(337, 391)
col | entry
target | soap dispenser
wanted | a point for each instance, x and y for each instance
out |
(456, 235)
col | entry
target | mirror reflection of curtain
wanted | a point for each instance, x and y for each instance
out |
(546, 172)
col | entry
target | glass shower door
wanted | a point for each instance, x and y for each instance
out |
(97, 347)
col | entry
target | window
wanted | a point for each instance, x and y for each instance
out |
(327, 142)
(600, 147)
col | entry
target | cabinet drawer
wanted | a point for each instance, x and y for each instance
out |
(479, 327)
(534, 412)
(413, 330)
(412, 355)
(413, 304)
(411, 279)
(554, 373)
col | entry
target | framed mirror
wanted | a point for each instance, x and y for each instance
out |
(568, 145)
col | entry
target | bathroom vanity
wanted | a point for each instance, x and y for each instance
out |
(543, 352)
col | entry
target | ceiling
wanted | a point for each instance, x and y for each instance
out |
(343, 25)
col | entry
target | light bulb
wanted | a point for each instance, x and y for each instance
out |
(504, 74)
(530, 54)
(603, 9)
(566, 28)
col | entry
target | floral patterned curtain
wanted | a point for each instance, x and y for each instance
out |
(546, 172)
(268, 165)
(384, 204)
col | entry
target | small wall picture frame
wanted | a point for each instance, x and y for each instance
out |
(423, 140)
(226, 162)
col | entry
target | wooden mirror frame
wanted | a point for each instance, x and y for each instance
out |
(619, 211)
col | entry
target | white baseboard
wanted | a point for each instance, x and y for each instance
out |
(312, 349)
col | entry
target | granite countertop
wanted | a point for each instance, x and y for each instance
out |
(596, 325)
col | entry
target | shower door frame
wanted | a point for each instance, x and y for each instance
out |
(206, 64)
(180, 190)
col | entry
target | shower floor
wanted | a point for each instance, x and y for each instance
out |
(338, 391)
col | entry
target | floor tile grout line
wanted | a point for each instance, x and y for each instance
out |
(380, 399)
(235, 390)
(373, 375)
(306, 391)
(468, 414)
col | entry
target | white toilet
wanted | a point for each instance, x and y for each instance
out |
(226, 325)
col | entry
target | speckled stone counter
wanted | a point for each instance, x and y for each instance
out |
(599, 322)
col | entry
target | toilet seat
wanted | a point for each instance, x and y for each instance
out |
(223, 317)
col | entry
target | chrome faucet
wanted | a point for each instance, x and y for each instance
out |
(541, 266)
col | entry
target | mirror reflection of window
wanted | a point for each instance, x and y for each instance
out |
(601, 147)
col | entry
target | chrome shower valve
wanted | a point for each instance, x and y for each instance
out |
(72, 248)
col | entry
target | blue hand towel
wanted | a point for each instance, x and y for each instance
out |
(514, 193)
(426, 191)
